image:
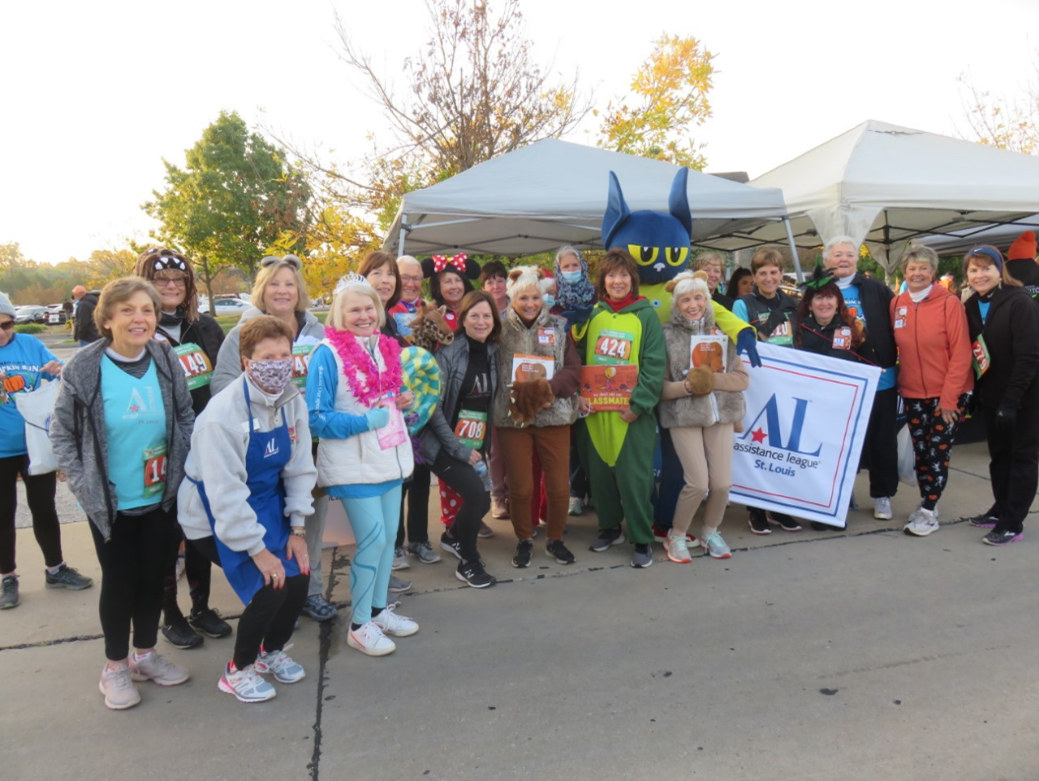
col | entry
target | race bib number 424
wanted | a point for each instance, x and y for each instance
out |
(613, 347)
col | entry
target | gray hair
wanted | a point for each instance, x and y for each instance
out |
(919, 252)
(837, 241)
(711, 256)
(408, 259)
(565, 250)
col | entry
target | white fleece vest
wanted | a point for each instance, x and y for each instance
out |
(359, 459)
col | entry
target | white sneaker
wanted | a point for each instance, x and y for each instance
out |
(369, 639)
(677, 547)
(882, 508)
(392, 624)
(246, 685)
(284, 668)
(118, 688)
(921, 523)
(576, 506)
(155, 667)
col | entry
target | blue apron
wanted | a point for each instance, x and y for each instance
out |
(267, 455)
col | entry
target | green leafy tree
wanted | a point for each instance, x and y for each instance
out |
(234, 199)
(669, 97)
(1006, 122)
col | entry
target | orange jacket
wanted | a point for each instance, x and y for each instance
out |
(934, 357)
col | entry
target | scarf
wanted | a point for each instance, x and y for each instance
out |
(367, 384)
(574, 295)
(617, 306)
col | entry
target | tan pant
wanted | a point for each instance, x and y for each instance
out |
(706, 456)
(553, 449)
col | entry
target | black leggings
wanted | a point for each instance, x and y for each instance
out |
(880, 450)
(270, 616)
(199, 573)
(1014, 466)
(132, 565)
(417, 493)
(476, 501)
(40, 492)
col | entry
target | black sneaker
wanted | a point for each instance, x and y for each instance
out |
(758, 521)
(180, 635)
(819, 526)
(984, 521)
(451, 545)
(558, 551)
(522, 558)
(1002, 537)
(784, 521)
(606, 538)
(210, 622)
(475, 575)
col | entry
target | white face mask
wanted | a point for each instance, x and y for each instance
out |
(272, 376)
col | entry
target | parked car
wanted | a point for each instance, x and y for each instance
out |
(224, 306)
(56, 315)
(29, 314)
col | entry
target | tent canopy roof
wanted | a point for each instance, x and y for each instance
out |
(883, 185)
(554, 192)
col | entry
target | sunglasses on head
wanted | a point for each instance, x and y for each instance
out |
(292, 260)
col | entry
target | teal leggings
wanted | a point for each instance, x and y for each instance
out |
(374, 521)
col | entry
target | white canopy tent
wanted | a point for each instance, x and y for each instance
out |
(554, 192)
(997, 235)
(884, 185)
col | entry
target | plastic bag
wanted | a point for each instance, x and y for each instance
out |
(37, 407)
(906, 458)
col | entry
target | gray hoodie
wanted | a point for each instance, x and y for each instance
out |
(229, 360)
(78, 429)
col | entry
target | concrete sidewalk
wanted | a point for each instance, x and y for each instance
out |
(858, 655)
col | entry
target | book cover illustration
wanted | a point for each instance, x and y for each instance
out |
(608, 388)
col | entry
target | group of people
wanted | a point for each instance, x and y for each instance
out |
(180, 442)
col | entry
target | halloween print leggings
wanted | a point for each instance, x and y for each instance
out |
(932, 445)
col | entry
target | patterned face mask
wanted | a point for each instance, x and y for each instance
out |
(272, 376)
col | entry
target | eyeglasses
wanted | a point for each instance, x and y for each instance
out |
(416, 279)
(7, 326)
(292, 260)
(168, 281)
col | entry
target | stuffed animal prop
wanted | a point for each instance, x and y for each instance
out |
(429, 327)
(527, 399)
(660, 245)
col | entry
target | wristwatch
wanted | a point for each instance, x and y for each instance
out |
(298, 531)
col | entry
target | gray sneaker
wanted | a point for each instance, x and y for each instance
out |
(154, 667)
(399, 585)
(66, 577)
(400, 559)
(424, 552)
(642, 557)
(882, 508)
(9, 592)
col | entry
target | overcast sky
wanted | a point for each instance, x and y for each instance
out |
(95, 95)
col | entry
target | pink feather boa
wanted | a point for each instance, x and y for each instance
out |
(367, 383)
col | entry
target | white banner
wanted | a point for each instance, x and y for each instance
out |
(802, 435)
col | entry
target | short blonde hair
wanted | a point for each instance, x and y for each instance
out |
(335, 312)
(270, 266)
(116, 292)
(919, 253)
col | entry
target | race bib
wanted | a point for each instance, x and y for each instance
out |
(781, 334)
(547, 336)
(979, 353)
(471, 428)
(198, 370)
(301, 364)
(613, 347)
(154, 471)
(842, 338)
(900, 322)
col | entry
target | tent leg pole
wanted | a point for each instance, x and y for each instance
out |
(403, 234)
(793, 250)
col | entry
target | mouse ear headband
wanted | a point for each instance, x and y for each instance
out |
(460, 264)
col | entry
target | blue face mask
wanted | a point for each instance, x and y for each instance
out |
(549, 300)
(571, 277)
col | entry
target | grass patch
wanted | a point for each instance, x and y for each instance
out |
(30, 328)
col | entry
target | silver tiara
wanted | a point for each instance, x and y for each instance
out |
(351, 279)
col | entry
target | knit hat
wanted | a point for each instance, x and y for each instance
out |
(6, 307)
(1023, 247)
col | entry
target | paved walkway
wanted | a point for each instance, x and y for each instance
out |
(837, 656)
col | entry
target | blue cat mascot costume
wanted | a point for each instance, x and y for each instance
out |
(660, 244)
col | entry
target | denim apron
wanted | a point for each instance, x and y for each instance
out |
(266, 456)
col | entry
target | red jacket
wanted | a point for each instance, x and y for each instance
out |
(934, 358)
